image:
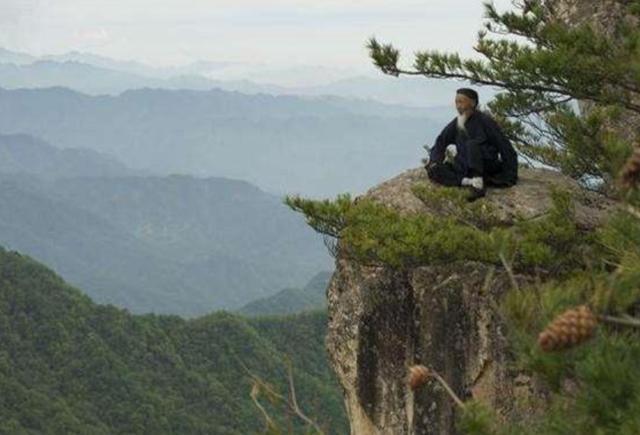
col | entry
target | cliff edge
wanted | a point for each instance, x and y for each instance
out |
(382, 320)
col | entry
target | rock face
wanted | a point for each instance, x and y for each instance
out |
(383, 320)
(603, 14)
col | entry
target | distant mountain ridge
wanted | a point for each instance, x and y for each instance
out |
(283, 144)
(175, 244)
(93, 74)
(23, 153)
(292, 300)
(165, 250)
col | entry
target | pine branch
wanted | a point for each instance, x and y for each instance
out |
(625, 321)
(570, 62)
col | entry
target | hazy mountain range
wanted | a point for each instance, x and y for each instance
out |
(283, 144)
(92, 74)
(174, 244)
(25, 154)
(107, 208)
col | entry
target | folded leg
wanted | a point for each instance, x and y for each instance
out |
(446, 174)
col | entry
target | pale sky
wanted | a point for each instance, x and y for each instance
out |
(168, 32)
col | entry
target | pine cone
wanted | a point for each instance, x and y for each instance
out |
(630, 174)
(568, 329)
(418, 376)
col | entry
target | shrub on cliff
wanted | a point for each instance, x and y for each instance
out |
(372, 233)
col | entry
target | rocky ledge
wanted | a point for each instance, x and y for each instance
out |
(383, 320)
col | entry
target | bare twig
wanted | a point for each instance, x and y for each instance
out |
(445, 281)
(632, 210)
(331, 243)
(488, 279)
(293, 404)
(255, 391)
(448, 389)
(419, 374)
(509, 270)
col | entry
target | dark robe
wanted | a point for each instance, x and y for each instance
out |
(483, 150)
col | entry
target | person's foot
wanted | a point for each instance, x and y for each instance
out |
(476, 182)
(476, 187)
(475, 193)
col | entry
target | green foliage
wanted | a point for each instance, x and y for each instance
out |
(621, 234)
(372, 233)
(452, 201)
(70, 366)
(379, 234)
(576, 143)
(543, 73)
(325, 216)
(595, 386)
(529, 310)
(476, 419)
(553, 239)
(620, 241)
(291, 300)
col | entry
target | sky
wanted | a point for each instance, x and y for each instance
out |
(299, 32)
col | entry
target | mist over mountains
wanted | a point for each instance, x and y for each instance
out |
(94, 75)
(282, 144)
(170, 200)
(174, 244)
(25, 154)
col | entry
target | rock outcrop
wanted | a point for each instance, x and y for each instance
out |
(383, 320)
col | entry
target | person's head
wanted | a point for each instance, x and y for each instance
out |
(466, 100)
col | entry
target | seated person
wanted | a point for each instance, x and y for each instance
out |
(478, 141)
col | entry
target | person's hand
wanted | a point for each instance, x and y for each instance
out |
(428, 163)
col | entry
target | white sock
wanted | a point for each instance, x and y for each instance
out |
(476, 182)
